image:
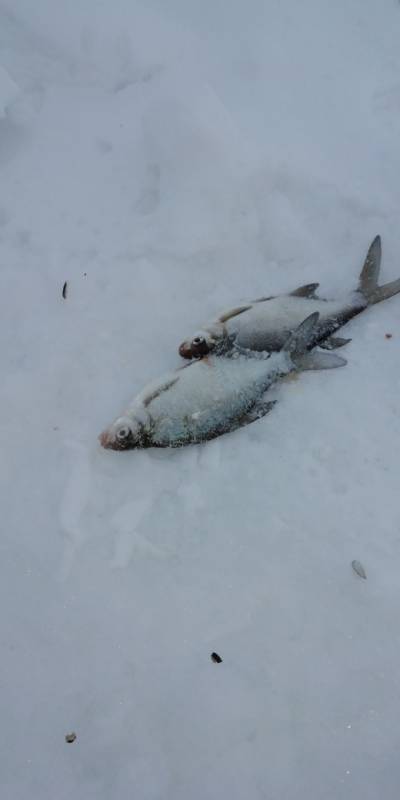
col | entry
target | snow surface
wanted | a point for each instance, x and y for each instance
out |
(167, 160)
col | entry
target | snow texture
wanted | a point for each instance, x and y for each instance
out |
(8, 91)
(167, 160)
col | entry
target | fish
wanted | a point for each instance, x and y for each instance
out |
(212, 396)
(264, 324)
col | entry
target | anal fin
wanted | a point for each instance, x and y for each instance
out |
(333, 342)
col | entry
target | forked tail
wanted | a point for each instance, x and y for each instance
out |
(369, 275)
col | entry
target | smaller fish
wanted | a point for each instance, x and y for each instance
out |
(359, 569)
(265, 324)
(65, 290)
(212, 396)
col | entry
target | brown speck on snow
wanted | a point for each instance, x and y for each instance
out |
(216, 658)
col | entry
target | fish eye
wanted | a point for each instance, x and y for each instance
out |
(123, 433)
(200, 346)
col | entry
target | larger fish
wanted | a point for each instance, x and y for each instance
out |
(212, 396)
(265, 324)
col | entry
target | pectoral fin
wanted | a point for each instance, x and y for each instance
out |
(308, 290)
(333, 343)
(264, 299)
(234, 312)
(259, 410)
(160, 389)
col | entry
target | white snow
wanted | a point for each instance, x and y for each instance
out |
(8, 91)
(167, 160)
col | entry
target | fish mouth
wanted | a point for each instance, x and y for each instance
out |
(185, 350)
(106, 441)
(110, 443)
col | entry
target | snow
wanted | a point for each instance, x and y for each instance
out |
(168, 160)
(8, 91)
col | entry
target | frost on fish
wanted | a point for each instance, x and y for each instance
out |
(196, 403)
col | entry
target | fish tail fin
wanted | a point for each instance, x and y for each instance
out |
(384, 292)
(368, 284)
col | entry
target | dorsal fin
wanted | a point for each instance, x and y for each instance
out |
(308, 290)
(233, 313)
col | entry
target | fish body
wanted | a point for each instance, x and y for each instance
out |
(210, 396)
(196, 403)
(267, 325)
(264, 325)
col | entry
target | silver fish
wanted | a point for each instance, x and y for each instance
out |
(212, 396)
(265, 324)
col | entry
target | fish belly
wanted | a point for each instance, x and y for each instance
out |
(210, 395)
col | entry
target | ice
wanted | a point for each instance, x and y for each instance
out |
(168, 160)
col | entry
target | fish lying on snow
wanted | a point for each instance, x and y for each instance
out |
(212, 396)
(265, 324)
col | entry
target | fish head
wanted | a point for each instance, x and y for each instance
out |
(202, 343)
(125, 433)
(199, 346)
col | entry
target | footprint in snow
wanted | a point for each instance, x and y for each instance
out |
(73, 504)
(149, 197)
(128, 541)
